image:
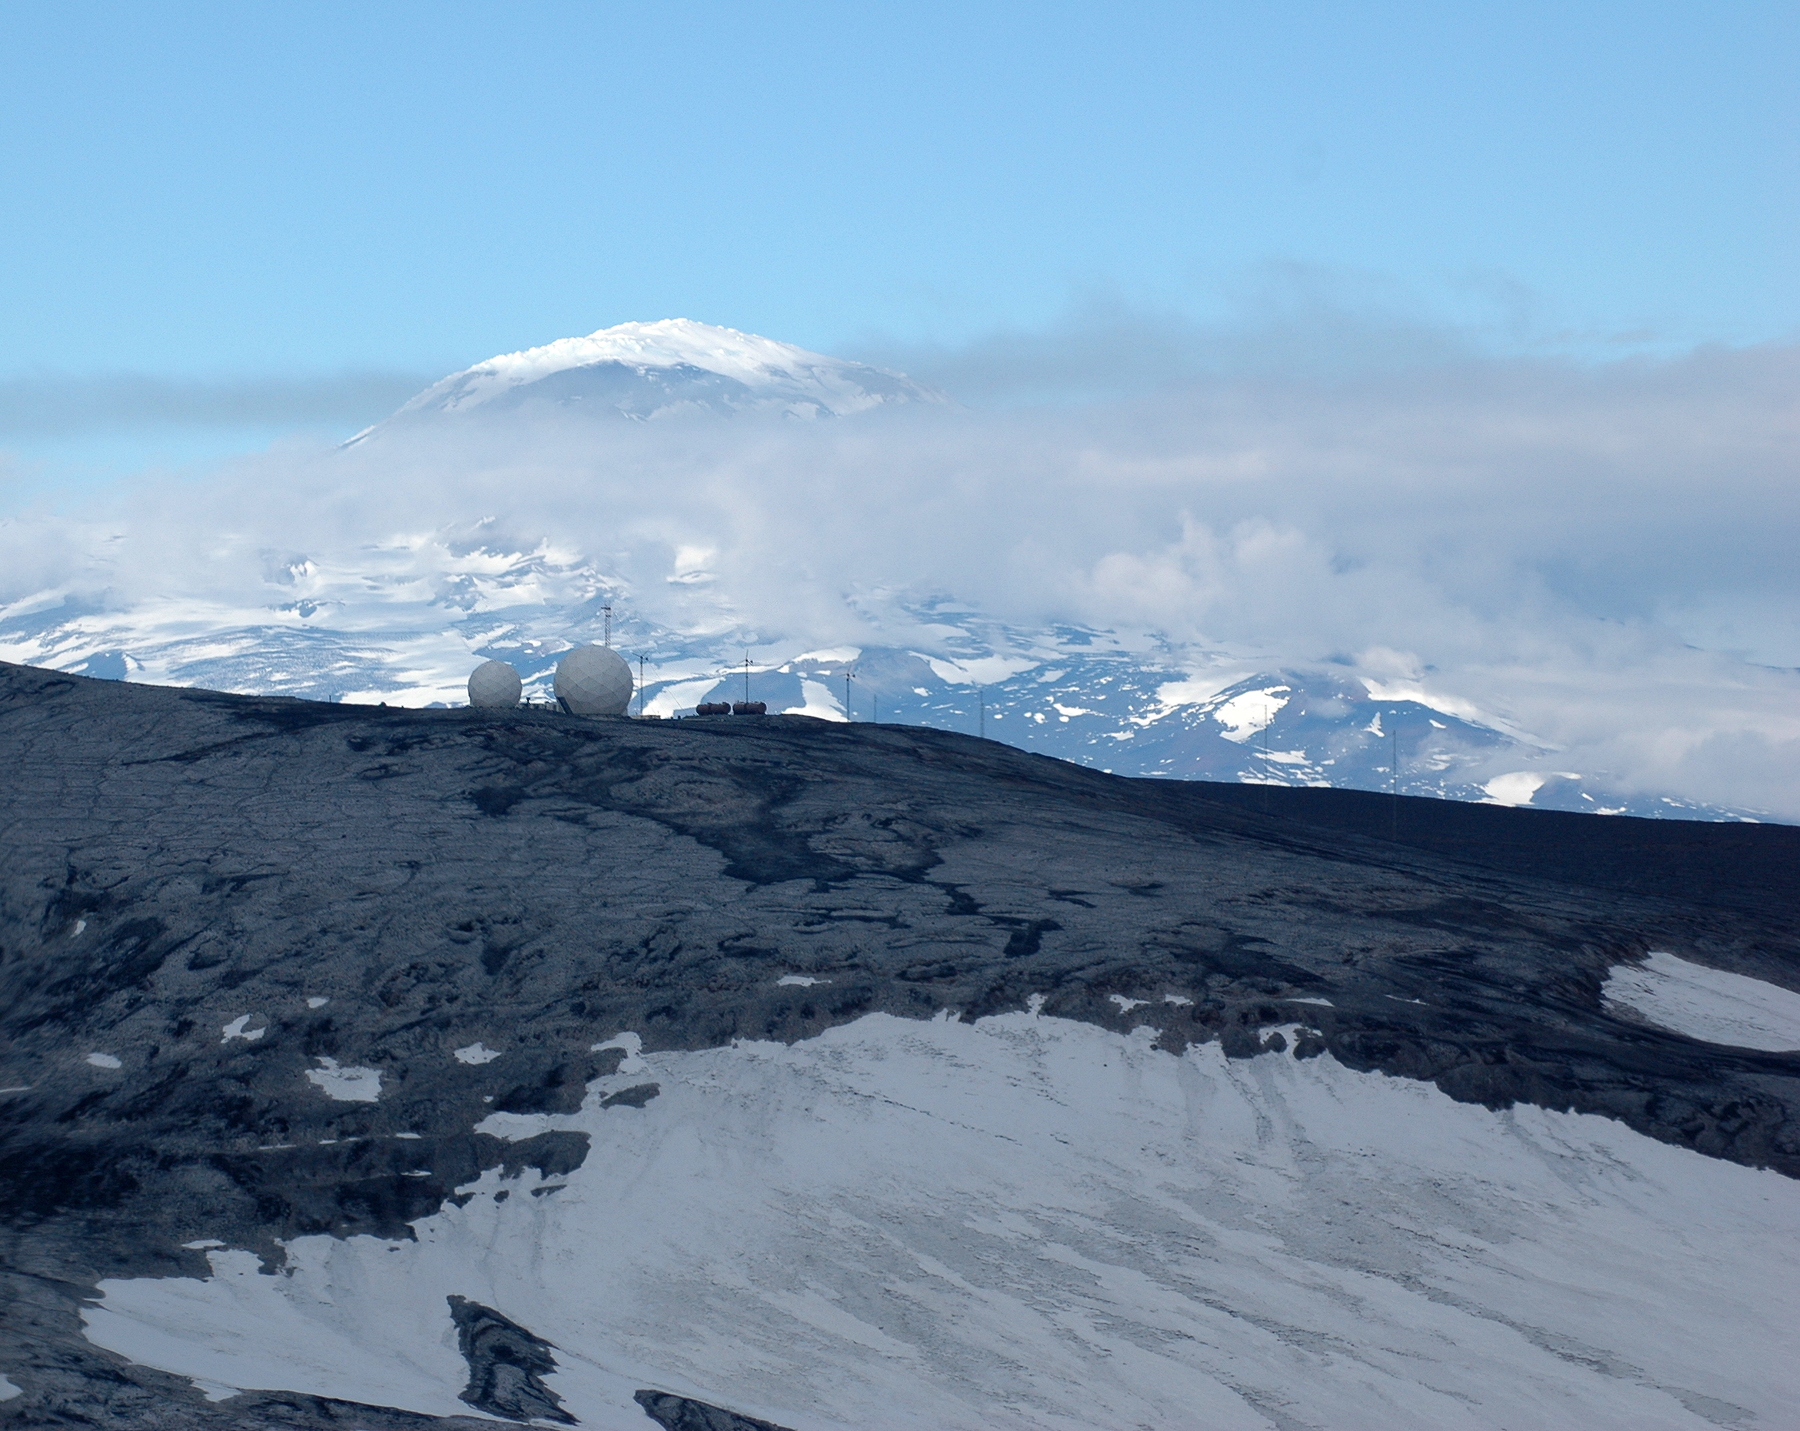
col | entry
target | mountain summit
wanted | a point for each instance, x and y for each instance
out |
(647, 370)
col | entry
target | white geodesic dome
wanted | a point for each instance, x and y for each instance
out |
(594, 680)
(494, 686)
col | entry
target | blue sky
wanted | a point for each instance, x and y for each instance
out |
(216, 191)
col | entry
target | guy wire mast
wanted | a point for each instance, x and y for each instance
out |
(608, 611)
(1394, 775)
(746, 675)
(1268, 720)
(981, 712)
(640, 685)
(849, 676)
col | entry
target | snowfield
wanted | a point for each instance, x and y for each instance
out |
(1709, 1004)
(1033, 1222)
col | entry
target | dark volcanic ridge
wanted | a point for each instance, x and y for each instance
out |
(213, 905)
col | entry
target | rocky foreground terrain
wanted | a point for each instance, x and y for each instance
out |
(259, 960)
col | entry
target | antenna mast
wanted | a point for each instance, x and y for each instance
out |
(981, 711)
(746, 676)
(608, 611)
(1267, 779)
(849, 675)
(640, 685)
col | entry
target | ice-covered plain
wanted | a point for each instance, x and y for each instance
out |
(1026, 1221)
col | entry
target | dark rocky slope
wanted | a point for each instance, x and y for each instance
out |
(171, 861)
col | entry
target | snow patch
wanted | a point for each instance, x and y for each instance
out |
(1194, 691)
(8, 1390)
(346, 1085)
(475, 1053)
(977, 671)
(103, 1060)
(1250, 712)
(800, 981)
(1514, 789)
(681, 697)
(632, 1045)
(317, 1002)
(1418, 695)
(819, 702)
(1127, 1005)
(1034, 1222)
(1180, 1001)
(236, 1029)
(1708, 1004)
(80, 924)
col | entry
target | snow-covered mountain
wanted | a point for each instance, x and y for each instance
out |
(1128, 705)
(650, 370)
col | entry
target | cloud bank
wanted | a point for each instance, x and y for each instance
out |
(1598, 556)
(59, 406)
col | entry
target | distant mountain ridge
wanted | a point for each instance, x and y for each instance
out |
(642, 371)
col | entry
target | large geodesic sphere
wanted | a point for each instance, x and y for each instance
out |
(494, 686)
(594, 680)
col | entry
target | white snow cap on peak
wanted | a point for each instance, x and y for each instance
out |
(677, 363)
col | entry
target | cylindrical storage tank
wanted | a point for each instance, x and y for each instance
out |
(494, 686)
(594, 680)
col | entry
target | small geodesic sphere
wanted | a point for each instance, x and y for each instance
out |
(594, 680)
(494, 686)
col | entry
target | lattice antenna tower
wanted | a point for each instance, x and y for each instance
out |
(607, 610)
